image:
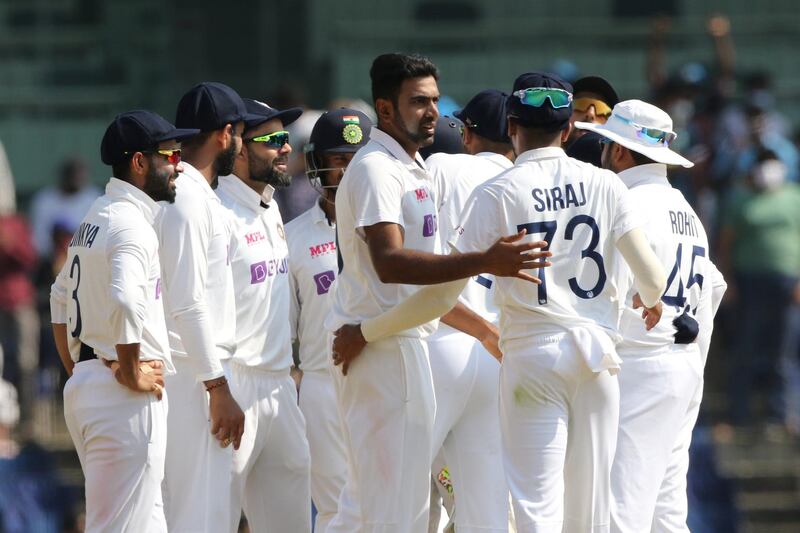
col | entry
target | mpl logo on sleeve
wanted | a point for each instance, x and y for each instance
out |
(323, 281)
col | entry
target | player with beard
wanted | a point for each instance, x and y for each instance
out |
(271, 468)
(334, 140)
(386, 226)
(109, 319)
(194, 234)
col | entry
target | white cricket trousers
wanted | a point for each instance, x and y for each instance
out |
(657, 391)
(120, 436)
(466, 427)
(559, 429)
(271, 466)
(386, 404)
(197, 481)
(326, 443)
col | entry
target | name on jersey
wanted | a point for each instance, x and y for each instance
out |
(322, 249)
(254, 237)
(85, 235)
(683, 223)
(557, 198)
(262, 270)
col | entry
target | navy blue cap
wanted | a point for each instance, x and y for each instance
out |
(340, 130)
(446, 140)
(545, 117)
(587, 148)
(209, 106)
(485, 114)
(598, 86)
(259, 112)
(137, 131)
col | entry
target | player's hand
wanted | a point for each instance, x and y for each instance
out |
(227, 418)
(490, 342)
(509, 257)
(651, 315)
(148, 377)
(348, 342)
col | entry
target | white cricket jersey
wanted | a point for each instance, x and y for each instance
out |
(260, 262)
(581, 211)
(455, 177)
(109, 290)
(679, 240)
(194, 235)
(381, 184)
(312, 270)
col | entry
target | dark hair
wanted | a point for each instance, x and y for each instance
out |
(538, 136)
(389, 71)
(640, 159)
(122, 169)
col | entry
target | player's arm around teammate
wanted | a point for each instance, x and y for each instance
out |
(106, 303)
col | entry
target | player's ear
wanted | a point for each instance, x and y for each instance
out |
(384, 108)
(566, 133)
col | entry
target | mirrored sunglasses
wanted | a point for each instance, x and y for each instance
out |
(173, 155)
(276, 139)
(536, 97)
(650, 135)
(582, 105)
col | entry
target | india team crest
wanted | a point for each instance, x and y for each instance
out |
(352, 133)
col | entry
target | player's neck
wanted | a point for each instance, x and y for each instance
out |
(329, 208)
(204, 163)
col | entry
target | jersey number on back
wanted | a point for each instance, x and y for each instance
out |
(678, 300)
(75, 273)
(590, 252)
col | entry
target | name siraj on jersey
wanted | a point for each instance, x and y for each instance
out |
(85, 235)
(557, 198)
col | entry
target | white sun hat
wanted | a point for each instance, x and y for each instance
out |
(640, 127)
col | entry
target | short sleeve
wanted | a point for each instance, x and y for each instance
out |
(376, 192)
(477, 229)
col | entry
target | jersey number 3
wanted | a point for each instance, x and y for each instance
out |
(75, 273)
(590, 252)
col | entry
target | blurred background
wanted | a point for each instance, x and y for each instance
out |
(725, 70)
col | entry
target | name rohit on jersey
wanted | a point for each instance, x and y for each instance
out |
(85, 235)
(683, 223)
(556, 198)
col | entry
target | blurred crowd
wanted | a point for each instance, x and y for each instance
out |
(744, 186)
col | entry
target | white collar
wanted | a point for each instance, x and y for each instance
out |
(498, 159)
(318, 216)
(244, 195)
(394, 148)
(193, 174)
(548, 152)
(122, 190)
(650, 174)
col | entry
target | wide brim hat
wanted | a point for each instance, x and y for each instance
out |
(625, 125)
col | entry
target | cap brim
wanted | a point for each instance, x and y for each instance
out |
(659, 154)
(287, 116)
(178, 134)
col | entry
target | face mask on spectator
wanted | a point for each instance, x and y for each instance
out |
(769, 175)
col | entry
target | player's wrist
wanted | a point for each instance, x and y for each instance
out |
(216, 385)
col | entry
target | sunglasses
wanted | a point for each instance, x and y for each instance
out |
(650, 135)
(536, 96)
(582, 105)
(173, 155)
(276, 139)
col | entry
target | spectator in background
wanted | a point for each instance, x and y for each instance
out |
(759, 253)
(19, 323)
(68, 201)
(32, 499)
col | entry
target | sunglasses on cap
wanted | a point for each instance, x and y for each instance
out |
(536, 96)
(173, 155)
(650, 135)
(582, 105)
(276, 139)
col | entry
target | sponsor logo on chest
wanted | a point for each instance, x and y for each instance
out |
(259, 272)
(322, 249)
(421, 194)
(323, 281)
(254, 237)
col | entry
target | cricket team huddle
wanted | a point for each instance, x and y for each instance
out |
(515, 333)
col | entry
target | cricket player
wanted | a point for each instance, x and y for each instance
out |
(465, 375)
(662, 369)
(107, 314)
(558, 386)
(336, 136)
(271, 467)
(386, 226)
(194, 234)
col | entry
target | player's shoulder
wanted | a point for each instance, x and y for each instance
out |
(300, 224)
(443, 160)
